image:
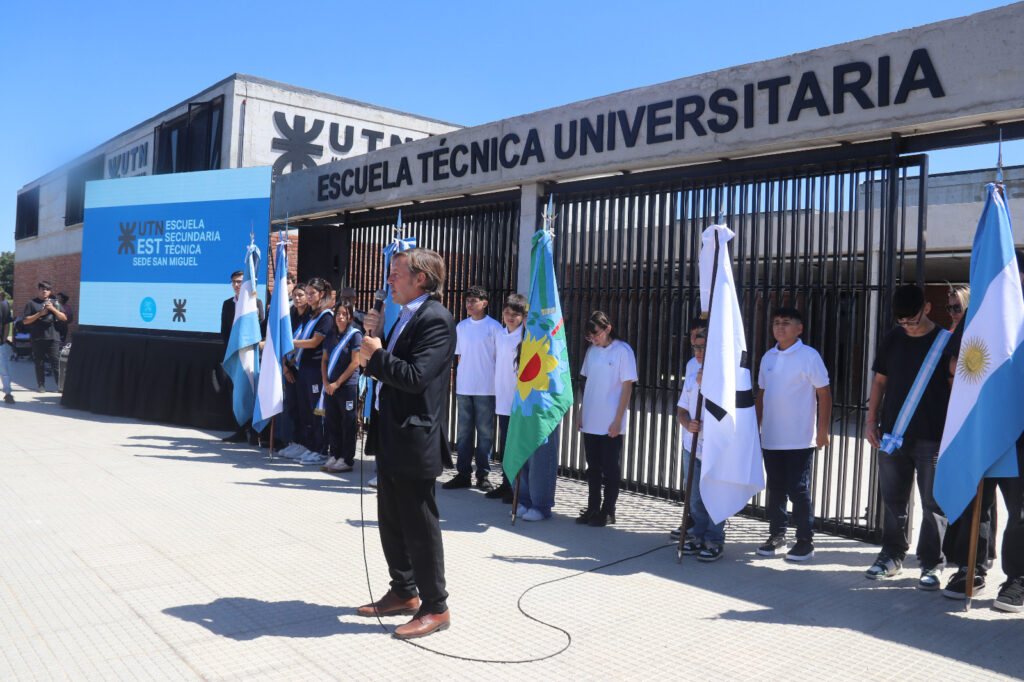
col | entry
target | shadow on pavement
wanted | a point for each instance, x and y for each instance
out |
(241, 618)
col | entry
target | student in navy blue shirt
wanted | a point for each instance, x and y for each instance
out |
(340, 378)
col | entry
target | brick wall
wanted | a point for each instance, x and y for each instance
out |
(65, 272)
(293, 258)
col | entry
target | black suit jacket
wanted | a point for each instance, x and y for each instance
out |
(227, 318)
(415, 378)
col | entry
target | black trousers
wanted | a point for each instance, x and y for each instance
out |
(43, 351)
(603, 469)
(410, 533)
(340, 411)
(958, 546)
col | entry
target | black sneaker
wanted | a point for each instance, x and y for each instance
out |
(773, 545)
(1011, 595)
(586, 515)
(710, 553)
(956, 588)
(691, 547)
(8, 398)
(885, 566)
(801, 551)
(484, 484)
(499, 492)
(459, 481)
(930, 578)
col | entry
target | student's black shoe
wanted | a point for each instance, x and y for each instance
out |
(484, 484)
(602, 518)
(459, 481)
(8, 398)
(691, 547)
(499, 492)
(774, 545)
(1011, 596)
(956, 588)
(586, 515)
(803, 550)
(239, 436)
(710, 553)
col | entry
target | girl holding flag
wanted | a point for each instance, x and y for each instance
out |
(309, 345)
(339, 398)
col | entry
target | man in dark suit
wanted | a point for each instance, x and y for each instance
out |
(413, 369)
(227, 320)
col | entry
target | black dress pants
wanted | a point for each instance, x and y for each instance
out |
(43, 351)
(410, 533)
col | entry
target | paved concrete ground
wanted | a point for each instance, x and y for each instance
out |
(141, 551)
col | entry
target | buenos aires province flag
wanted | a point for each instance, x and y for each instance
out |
(731, 469)
(240, 356)
(985, 415)
(543, 390)
(270, 390)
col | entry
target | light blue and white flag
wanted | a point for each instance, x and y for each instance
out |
(391, 309)
(985, 415)
(731, 463)
(270, 391)
(240, 357)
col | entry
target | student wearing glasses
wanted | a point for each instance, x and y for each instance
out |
(610, 370)
(906, 425)
(957, 299)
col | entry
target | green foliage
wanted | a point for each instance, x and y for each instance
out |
(7, 272)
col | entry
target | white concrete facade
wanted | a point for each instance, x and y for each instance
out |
(252, 112)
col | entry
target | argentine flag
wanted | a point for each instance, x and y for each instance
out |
(270, 392)
(985, 416)
(240, 357)
(732, 471)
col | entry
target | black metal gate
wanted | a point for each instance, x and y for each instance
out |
(825, 235)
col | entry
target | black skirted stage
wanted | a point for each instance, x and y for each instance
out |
(156, 377)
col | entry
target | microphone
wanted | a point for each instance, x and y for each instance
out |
(379, 297)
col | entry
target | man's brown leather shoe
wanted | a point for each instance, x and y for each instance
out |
(423, 625)
(390, 605)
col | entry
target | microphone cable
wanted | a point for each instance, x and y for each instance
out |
(519, 602)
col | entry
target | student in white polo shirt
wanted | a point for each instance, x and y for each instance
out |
(794, 404)
(610, 370)
(474, 389)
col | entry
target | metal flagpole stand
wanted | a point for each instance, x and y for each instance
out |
(697, 416)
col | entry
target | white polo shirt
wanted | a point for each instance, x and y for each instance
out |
(505, 378)
(790, 378)
(606, 369)
(475, 348)
(688, 401)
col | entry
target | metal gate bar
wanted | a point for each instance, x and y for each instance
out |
(827, 237)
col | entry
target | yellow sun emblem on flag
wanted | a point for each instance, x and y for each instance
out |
(535, 361)
(974, 360)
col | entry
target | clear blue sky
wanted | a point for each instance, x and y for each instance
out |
(74, 74)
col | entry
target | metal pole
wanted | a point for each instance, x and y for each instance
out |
(700, 407)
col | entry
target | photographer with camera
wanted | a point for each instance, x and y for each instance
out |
(42, 314)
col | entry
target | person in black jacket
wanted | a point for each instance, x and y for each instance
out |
(227, 320)
(413, 371)
(41, 317)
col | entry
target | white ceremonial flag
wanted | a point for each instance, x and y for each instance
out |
(731, 469)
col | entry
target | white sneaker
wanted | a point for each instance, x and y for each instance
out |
(533, 515)
(310, 457)
(372, 482)
(331, 461)
(293, 449)
(520, 511)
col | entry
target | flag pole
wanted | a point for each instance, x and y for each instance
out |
(972, 559)
(700, 407)
(515, 497)
(271, 453)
